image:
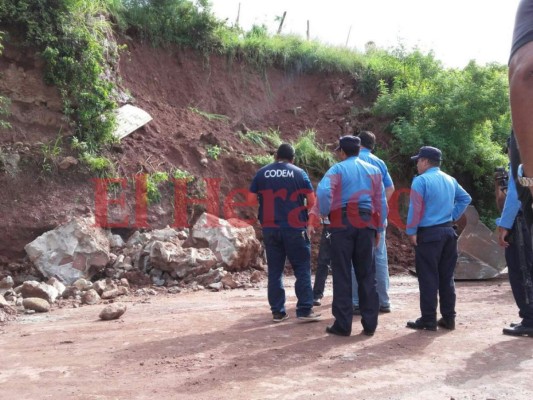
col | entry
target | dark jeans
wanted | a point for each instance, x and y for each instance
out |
(323, 264)
(353, 246)
(435, 260)
(516, 275)
(294, 245)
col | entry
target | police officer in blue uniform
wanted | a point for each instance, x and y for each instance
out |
(514, 236)
(283, 190)
(368, 142)
(352, 194)
(436, 201)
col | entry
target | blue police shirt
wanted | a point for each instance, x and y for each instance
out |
(436, 198)
(281, 188)
(510, 208)
(352, 181)
(370, 158)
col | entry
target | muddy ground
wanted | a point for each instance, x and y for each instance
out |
(223, 345)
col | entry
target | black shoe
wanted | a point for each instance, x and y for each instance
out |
(446, 323)
(384, 309)
(317, 302)
(419, 324)
(519, 330)
(279, 316)
(356, 310)
(368, 332)
(331, 329)
(513, 324)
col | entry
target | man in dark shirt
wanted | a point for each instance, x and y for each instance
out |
(282, 190)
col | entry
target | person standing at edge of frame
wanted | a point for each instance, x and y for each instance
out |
(513, 236)
(368, 142)
(436, 201)
(282, 189)
(351, 193)
(521, 144)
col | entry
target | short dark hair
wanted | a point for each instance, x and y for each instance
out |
(368, 139)
(434, 163)
(350, 145)
(285, 152)
(351, 152)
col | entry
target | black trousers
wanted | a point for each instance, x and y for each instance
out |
(435, 261)
(323, 263)
(353, 246)
(522, 294)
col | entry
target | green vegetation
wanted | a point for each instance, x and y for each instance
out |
(76, 40)
(463, 112)
(180, 174)
(99, 165)
(262, 139)
(152, 186)
(50, 152)
(209, 116)
(213, 151)
(260, 160)
(310, 156)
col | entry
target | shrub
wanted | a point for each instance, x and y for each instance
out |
(310, 156)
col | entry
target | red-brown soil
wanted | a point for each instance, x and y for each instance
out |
(168, 83)
(203, 345)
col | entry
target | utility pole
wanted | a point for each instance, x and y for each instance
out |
(307, 30)
(281, 22)
(238, 15)
(348, 38)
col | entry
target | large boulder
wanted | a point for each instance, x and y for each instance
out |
(232, 241)
(180, 262)
(77, 249)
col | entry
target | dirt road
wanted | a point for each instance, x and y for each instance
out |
(223, 345)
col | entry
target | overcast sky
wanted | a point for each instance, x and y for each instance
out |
(457, 30)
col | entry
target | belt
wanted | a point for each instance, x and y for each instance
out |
(362, 211)
(443, 225)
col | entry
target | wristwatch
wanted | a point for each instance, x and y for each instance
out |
(523, 180)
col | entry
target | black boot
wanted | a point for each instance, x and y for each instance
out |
(519, 330)
(419, 324)
(447, 323)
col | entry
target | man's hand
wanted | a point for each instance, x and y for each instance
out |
(502, 235)
(378, 238)
(312, 224)
(412, 239)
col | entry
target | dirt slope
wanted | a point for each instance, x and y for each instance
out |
(169, 84)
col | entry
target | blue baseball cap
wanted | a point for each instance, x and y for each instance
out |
(431, 153)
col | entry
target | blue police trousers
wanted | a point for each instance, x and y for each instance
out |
(435, 261)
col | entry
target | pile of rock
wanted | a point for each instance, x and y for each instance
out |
(83, 264)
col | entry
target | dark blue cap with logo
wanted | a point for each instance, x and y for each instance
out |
(349, 143)
(431, 153)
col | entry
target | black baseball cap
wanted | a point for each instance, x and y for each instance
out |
(349, 143)
(431, 153)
